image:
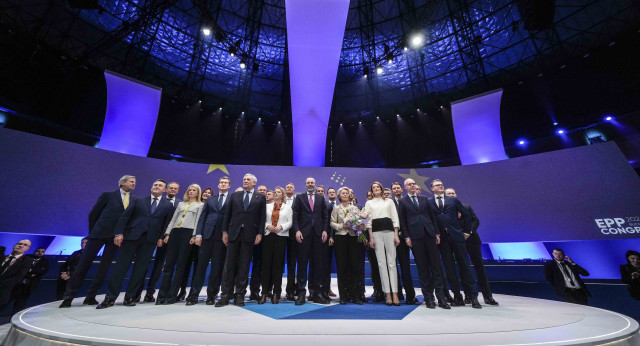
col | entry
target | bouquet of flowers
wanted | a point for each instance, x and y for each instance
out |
(356, 218)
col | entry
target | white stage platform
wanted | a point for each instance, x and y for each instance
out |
(517, 321)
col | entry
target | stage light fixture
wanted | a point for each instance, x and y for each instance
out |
(608, 118)
(365, 72)
(555, 123)
(243, 64)
(560, 131)
(379, 69)
(232, 50)
(206, 31)
(417, 40)
(521, 141)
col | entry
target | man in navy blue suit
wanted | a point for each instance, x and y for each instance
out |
(310, 224)
(138, 231)
(421, 233)
(453, 243)
(102, 220)
(242, 228)
(209, 239)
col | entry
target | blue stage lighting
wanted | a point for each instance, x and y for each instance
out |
(560, 131)
(555, 124)
(522, 141)
(608, 118)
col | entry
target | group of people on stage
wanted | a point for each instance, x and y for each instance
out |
(231, 230)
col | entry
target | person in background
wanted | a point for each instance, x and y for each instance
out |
(402, 254)
(67, 268)
(292, 248)
(102, 220)
(179, 236)
(22, 292)
(256, 267)
(564, 275)
(269, 196)
(630, 273)
(13, 269)
(278, 223)
(206, 193)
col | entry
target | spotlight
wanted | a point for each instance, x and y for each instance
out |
(199, 101)
(397, 115)
(522, 141)
(206, 31)
(555, 123)
(417, 40)
(365, 72)
(379, 69)
(560, 131)
(608, 118)
(360, 122)
(243, 64)
(390, 61)
(232, 50)
(340, 124)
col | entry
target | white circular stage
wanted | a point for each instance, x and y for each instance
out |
(517, 321)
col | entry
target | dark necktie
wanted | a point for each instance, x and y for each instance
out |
(440, 206)
(6, 263)
(415, 201)
(566, 272)
(154, 205)
(221, 199)
(333, 204)
(246, 200)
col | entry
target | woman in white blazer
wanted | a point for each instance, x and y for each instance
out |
(180, 233)
(274, 243)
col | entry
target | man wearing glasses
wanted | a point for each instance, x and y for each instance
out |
(13, 268)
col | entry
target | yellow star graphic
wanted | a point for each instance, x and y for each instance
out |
(420, 180)
(213, 167)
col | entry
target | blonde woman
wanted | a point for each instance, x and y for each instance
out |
(179, 236)
(274, 243)
(383, 237)
(349, 253)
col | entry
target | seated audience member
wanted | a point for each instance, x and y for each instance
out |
(564, 276)
(13, 269)
(67, 269)
(24, 290)
(630, 273)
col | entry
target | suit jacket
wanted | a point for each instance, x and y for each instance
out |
(474, 224)
(417, 222)
(252, 219)
(284, 219)
(37, 270)
(138, 219)
(304, 218)
(212, 217)
(105, 213)
(449, 216)
(554, 275)
(633, 285)
(12, 276)
(69, 266)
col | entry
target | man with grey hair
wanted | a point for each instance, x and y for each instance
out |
(241, 230)
(13, 269)
(102, 221)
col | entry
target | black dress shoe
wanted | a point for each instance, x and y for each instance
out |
(430, 304)
(319, 299)
(137, 299)
(458, 301)
(129, 302)
(400, 296)
(224, 300)
(290, 297)
(181, 295)
(149, 298)
(490, 301)
(449, 298)
(411, 301)
(238, 300)
(475, 303)
(210, 301)
(343, 301)
(263, 299)
(300, 300)
(191, 301)
(325, 296)
(254, 296)
(467, 300)
(275, 299)
(363, 298)
(378, 296)
(356, 301)
(443, 304)
(159, 302)
(106, 304)
(66, 303)
(90, 301)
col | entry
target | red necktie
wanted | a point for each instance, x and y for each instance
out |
(311, 201)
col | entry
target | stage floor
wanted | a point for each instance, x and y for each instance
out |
(517, 321)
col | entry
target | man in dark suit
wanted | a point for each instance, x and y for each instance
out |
(421, 233)
(138, 231)
(242, 228)
(564, 276)
(209, 239)
(102, 220)
(39, 267)
(13, 269)
(256, 262)
(310, 224)
(474, 247)
(67, 268)
(452, 243)
(172, 190)
(402, 254)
